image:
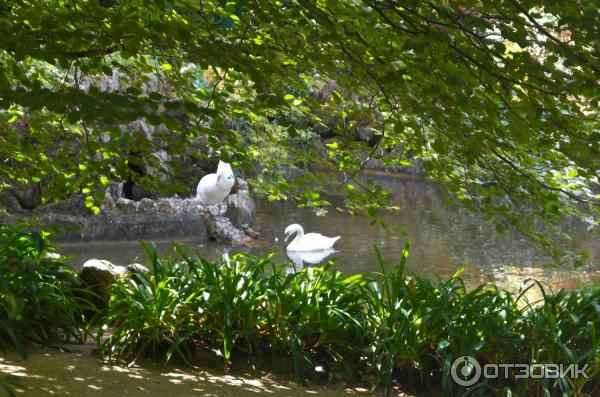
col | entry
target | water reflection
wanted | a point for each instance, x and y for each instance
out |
(298, 258)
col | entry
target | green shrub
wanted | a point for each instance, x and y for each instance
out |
(153, 315)
(385, 328)
(236, 307)
(564, 329)
(316, 316)
(40, 299)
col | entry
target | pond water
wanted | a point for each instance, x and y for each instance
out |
(444, 238)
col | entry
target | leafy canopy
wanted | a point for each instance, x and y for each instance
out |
(498, 100)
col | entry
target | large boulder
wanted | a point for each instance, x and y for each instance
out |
(113, 192)
(240, 186)
(241, 209)
(232, 220)
(99, 275)
(125, 205)
(146, 205)
(28, 197)
(100, 272)
(220, 228)
(136, 268)
(9, 202)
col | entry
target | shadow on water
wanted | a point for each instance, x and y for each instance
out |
(444, 238)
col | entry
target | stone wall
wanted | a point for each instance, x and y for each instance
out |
(163, 218)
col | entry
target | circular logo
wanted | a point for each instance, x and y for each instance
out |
(465, 371)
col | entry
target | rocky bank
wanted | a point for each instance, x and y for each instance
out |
(124, 219)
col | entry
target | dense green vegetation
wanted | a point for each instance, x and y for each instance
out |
(41, 300)
(382, 329)
(497, 100)
(386, 328)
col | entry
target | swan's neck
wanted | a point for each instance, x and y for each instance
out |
(299, 233)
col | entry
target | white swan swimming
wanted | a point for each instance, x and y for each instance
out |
(213, 188)
(309, 241)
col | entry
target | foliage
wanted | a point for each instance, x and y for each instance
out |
(40, 299)
(235, 307)
(497, 100)
(419, 328)
(385, 328)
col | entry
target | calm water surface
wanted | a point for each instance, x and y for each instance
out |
(444, 238)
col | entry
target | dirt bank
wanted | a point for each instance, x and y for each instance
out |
(78, 373)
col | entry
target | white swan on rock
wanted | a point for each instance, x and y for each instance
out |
(309, 241)
(213, 188)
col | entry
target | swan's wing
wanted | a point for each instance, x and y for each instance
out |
(314, 237)
(316, 241)
(319, 236)
(207, 182)
(207, 189)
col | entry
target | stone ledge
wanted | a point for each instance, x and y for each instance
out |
(124, 219)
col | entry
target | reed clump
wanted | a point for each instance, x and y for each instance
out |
(385, 328)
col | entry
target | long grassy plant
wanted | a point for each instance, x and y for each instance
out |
(41, 299)
(316, 317)
(386, 328)
(151, 314)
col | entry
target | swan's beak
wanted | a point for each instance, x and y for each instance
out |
(287, 237)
